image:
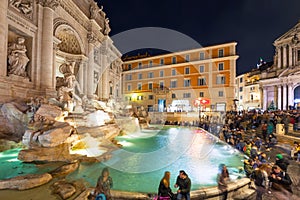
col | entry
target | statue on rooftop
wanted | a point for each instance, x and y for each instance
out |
(106, 27)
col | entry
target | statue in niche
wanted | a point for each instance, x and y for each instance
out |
(106, 27)
(17, 58)
(68, 88)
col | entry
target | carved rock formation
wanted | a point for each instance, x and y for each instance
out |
(25, 182)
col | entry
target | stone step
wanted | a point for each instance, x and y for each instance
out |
(246, 194)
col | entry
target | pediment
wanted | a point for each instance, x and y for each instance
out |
(289, 34)
(290, 72)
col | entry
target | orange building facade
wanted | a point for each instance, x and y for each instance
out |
(174, 82)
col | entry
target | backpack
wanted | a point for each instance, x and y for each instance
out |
(100, 197)
(258, 178)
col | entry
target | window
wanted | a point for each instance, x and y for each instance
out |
(150, 97)
(201, 68)
(128, 87)
(221, 66)
(173, 96)
(241, 80)
(128, 77)
(187, 82)
(140, 65)
(173, 72)
(221, 52)
(241, 97)
(201, 81)
(140, 76)
(162, 61)
(187, 58)
(298, 56)
(150, 86)
(251, 97)
(150, 75)
(241, 89)
(221, 93)
(186, 95)
(174, 60)
(187, 70)
(173, 84)
(201, 94)
(139, 86)
(161, 73)
(129, 66)
(220, 79)
(150, 63)
(202, 56)
(140, 97)
(161, 84)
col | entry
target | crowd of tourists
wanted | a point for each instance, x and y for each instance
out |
(254, 134)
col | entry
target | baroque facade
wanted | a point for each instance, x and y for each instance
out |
(173, 82)
(280, 82)
(43, 41)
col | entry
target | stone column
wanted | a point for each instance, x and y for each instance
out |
(279, 57)
(265, 101)
(279, 105)
(80, 76)
(105, 82)
(3, 38)
(284, 56)
(290, 95)
(47, 73)
(290, 56)
(90, 67)
(284, 98)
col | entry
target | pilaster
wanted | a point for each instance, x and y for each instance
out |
(279, 57)
(284, 56)
(279, 100)
(284, 97)
(3, 37)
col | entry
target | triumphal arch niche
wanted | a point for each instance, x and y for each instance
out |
(39, 38)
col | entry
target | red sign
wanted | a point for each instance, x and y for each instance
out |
(201, 101)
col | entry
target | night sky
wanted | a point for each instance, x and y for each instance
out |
(254, 24)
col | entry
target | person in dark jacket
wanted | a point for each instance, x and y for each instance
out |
(184, 184)
(164, 189)
(281, 162)
(281, 181)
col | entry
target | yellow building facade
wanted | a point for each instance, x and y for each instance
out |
(172, 82)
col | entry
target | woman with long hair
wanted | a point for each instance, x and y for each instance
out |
(104, 184)
(223, 179)
(164, 189)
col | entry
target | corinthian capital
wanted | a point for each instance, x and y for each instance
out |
(49, 3)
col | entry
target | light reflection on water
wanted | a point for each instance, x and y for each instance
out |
(141, 163)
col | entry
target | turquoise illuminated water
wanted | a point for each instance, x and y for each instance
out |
(11, 167)
(141, 162)
(145, 156)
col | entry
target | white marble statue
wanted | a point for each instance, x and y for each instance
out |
(17, 58)
(106, 27)
(68, 87)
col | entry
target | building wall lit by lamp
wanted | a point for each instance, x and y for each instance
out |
(134, 97)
